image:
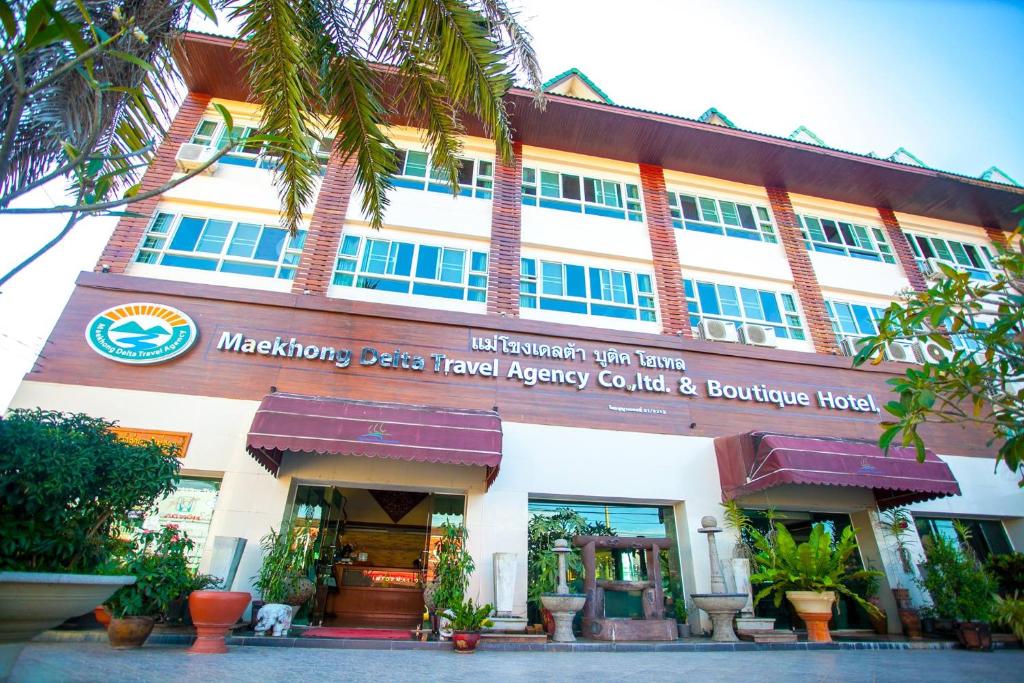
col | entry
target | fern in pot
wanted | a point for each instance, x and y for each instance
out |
(282, 581)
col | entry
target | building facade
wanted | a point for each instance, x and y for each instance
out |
(611, 323)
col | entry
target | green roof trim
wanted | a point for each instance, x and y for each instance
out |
(551, 82)
(995, 170)
(809, 133)
(713, 112)
(906, 152)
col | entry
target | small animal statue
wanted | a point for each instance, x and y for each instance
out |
(275, 618)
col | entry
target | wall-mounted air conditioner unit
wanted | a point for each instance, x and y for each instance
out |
(850, 346)
(717, 330)
(757, 335)
(930, 352)
(901, 352)
(192, 156)
(932, 270)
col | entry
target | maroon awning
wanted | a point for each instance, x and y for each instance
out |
(760, 460)
(317, 424)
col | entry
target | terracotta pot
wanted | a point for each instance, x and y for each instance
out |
(465, 642)
(902, 596)
(302, 591)
(129, 632)
(549, 621)
(213, 613)
(879, 623)
(911, 620)
(974, 635)
(815, 608)
(102, 615)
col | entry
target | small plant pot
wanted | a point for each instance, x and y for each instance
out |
(902, 596)
(213, 613)
(911, 621)
(102, 615)
(129, 632)
(974, 635)
(465, 642)
(815, 608)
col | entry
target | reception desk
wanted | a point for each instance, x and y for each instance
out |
(376, 596)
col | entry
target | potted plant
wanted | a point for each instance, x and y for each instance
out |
(66, 482)
(159, 562)
(466, 621)
(809, 574)
(960, 589)
(453, 565)
(282, 577)
(896, 523)
(1009, 612)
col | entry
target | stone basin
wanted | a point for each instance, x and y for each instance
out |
(721, 607)
(563, 607)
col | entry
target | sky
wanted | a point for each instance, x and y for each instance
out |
(938, 77)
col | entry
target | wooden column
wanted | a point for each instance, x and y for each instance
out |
(125, 239)
(902, 249)
(804, 280)
(506, 231)
(316, 267)
(668, 276)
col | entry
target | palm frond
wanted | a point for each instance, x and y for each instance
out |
(284, 82)
(521, 55)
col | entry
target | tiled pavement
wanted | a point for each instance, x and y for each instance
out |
(95, 662)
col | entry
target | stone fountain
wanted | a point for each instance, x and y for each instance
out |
(719, 605)
(562, 604)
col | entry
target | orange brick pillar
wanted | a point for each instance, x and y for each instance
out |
(902, 249)
(997, 237)
(316, 267)
(506, 230)
(125, 240)
(804, 280)
(667, 273)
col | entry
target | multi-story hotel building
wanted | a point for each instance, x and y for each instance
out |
(642, 316)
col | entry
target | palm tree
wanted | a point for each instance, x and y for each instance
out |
(88, 87)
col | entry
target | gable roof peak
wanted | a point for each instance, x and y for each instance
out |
(715, 117)
(574, 83)
(804, 134)
(994, 174)
(905, 156)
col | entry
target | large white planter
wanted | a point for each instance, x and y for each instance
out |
(31, 602)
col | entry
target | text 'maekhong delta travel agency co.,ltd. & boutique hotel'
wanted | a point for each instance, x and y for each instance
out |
(642, 316)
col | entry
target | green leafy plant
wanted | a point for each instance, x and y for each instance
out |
(978, 383)
(960, 589)
(737, 521)
(679, 609)
(67, 483)
(896, 523)
(1008, 571)
(286, 557)
(542, 562)
(454, 565)
(465, 616)
(816, 565)
(1009, 612)
(159, 562)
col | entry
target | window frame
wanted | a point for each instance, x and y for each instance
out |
(836, 321)
(322, 146)
(155, 247)
(764, 230)
(480, 185)
(640, 296)
(984, 272)
(349, 269)
(879, 249)
(630, 202)
(791, 325)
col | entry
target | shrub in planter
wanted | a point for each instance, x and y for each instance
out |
(66, 483)
(960, 589)
(809, 574)
(282, 581)
(466, 622)
(453, 566)
(159, 562)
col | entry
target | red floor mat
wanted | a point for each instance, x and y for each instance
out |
(364, 633)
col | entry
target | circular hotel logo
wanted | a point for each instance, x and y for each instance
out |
(141, 333)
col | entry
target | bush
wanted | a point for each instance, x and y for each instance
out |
(1009, 612)
(468, 617)
(159, 562)
(1008, 571)
(286, 558)
(66, 484)
(959, 588)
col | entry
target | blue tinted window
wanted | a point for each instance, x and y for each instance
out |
(574, 281)
(271, 244)
(453, 263)
(688, 287)
(187, 235)
(864, 321)
(613, 311)
(563, 305)
(770, 305)
(188, 262)
(752, 303)
(479, 261)
(551, 278)
(437, 290)
(244, 240)
(426, 265)
(212, 241)
(708, 298)
(248, 269)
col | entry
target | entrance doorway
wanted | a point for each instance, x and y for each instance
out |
(372, 552)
